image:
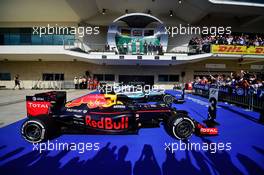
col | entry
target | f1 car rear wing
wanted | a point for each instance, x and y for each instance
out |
(45, 103)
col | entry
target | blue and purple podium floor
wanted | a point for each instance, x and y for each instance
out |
(145, 154)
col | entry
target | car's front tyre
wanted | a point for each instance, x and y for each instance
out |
(180, 126)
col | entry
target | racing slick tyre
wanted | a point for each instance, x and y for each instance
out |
(37, 129)
(180, 126)
(168, 99)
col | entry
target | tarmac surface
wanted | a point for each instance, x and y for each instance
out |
(238, 149)
(13, 106)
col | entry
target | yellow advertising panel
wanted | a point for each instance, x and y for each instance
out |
(241, 50)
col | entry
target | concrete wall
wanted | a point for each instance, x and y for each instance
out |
(30, 72)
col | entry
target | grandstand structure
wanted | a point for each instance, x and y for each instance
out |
(113, 24)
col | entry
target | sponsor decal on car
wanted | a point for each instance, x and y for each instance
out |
(107, 123)
(94, 101)
(209, 131)
(35, 108)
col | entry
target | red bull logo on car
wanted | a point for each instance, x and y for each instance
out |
(94, 101)
(107, 123)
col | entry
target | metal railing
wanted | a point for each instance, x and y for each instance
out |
(250, 101)
(55, 85)
(79, 45)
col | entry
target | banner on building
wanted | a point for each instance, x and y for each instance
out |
(236, 49)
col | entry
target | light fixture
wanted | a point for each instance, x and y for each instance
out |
(126, 11)
(171, 13)
(180, 1)
(103, 11)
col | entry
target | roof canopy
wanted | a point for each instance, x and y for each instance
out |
(138, 20)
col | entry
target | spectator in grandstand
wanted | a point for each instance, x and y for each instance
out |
(197, 80)
(202, 44)
(230, 40)
(204, 80)
(243, 79)
(76, 82)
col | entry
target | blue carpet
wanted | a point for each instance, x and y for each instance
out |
(145, 153)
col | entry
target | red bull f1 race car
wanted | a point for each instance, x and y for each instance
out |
(50, 115)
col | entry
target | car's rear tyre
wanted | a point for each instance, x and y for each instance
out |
(180, 126)
(38, 130)
(168, 99)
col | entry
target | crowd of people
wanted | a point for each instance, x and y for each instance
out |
(243, 79)
(84, 82)
(202, 44)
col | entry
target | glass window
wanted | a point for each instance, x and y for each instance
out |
(69, 39)
(173, 78)
(36, 40)
(105, 77)
(47, 77)
(163, 78)
(25, 38)
(58, 39)
(25, 30)
(52, 76)
(109, 77)
(2, 39)
(148, 32)
(5, 76)
(168, 78)
(59, 77)
(100, 77)
(6, 39)
(47, 39)
(14, 39)
(137, 33)
(126, 32)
